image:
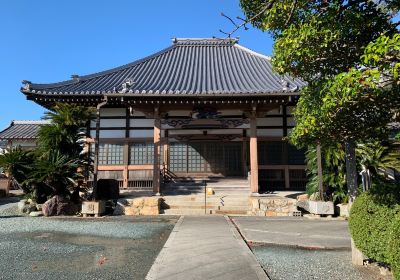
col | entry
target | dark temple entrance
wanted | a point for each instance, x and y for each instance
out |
(206, 158)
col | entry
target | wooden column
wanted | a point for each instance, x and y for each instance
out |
(253, 153)
(157, 146)
(125, 173)
(165, 149)
(96, 148)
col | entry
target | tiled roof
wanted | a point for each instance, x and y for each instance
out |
(189, 66)
(22, 130)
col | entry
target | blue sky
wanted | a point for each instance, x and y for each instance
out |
(47, 41)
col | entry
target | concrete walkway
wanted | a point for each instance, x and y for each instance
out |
(205, 247)
(294, 231)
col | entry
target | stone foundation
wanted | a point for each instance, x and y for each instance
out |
(271, 206)
(138, 206)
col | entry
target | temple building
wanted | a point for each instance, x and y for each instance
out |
(22, 134)
(201, 108)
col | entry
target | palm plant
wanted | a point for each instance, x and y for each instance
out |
(373, 156)
(333, 175)
(55, 172)
(17, 163)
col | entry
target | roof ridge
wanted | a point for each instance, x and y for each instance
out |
(30, 122)
(205, 41)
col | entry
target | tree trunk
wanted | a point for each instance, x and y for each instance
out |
(351, 170)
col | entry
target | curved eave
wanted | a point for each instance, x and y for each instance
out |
(83, 95)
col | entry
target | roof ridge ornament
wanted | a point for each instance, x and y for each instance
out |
(129, 82)
(27, 84)
(75, 77)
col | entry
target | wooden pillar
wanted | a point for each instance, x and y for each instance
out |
(157, 146)
(253, 153)
(125, 173)
(96, 148)
(165, 149)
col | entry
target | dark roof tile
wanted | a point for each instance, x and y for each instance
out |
(22, 130)
(189, 66)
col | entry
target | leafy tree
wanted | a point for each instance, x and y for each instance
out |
(347, 51)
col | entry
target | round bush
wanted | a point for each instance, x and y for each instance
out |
(370, 224)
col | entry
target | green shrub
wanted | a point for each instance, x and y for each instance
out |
(375, 228)
(394, 246)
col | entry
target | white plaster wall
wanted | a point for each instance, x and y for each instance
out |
(270, 121)
(270, 132)
(141, 133)
(142, 123)
(108, 133)
(274, 112)
(181, 113)
(109, 112)
(113, 123)
(224, 131)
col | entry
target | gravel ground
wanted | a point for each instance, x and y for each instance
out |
(76, 248)
(283, 263)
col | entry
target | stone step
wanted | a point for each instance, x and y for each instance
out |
(231, 212)
(184, 212)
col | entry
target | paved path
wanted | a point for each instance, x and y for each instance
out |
(303, 232)
(205, 247)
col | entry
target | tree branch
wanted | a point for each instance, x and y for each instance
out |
(245, 21)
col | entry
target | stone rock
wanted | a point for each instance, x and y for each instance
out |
(120, 207)
(132, 211)
(317, 207)
(58, 205)
(21, 204)
(255, 204)
(150, 210)
(270, 213)
(152, 201)
(36, 214)
(302, 197)
(342, 210)
(28, 208)
(138, 202)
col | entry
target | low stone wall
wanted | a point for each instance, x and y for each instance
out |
(271, 206)
(138, 206)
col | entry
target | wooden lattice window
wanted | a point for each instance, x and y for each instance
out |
(271, 153)
(111, 154)
(178, 157)
(141, 153)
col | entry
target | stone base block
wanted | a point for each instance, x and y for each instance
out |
(317, 207)
(93, 207)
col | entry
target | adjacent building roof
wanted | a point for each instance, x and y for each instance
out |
(189, 67)
(22, 130)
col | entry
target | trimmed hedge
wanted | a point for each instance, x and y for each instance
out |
(394, 246)
(375, 228)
